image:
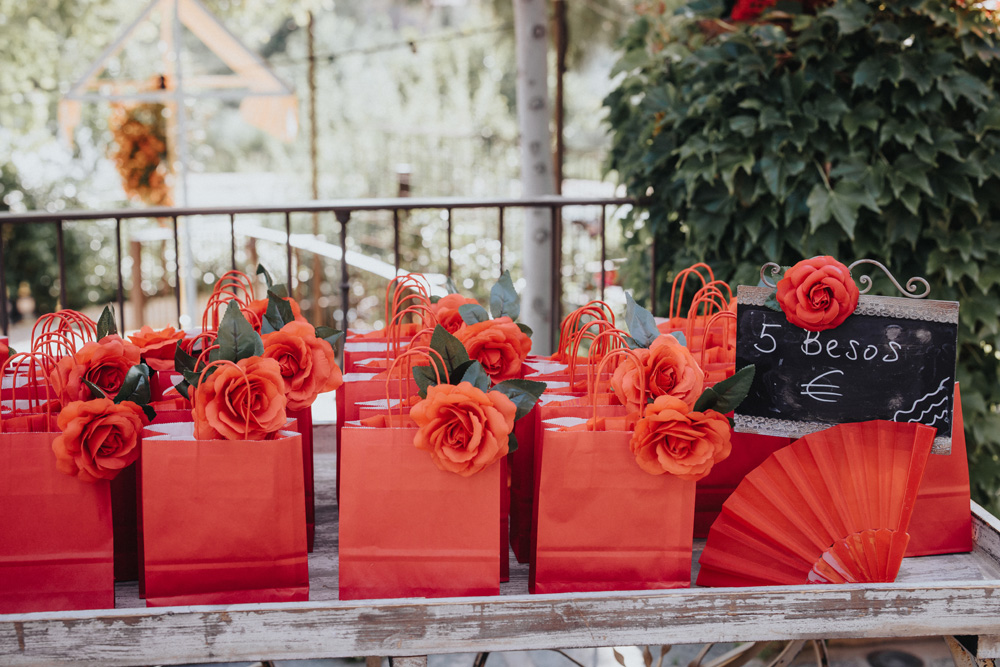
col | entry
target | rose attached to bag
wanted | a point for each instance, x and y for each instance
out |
(671, 438)
(817, 294)
(157, 347)
(103, 364)
(463, 428)
(669, 368)
(240, 401)
(308, 364)
(99, 438)
(446, 311)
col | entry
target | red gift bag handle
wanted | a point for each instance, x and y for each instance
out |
(14, 366)
(395, 326)
(710, 299)
(717, 318)
(418, 351)
(56, 344)
(238, 283)
(75, 325)
(598, 310)
(629, 355)
(677, 295)
(395, 293)
(599, 346)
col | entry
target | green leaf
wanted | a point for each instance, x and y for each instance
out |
(772, 301)
(727, 395)
(640, 322)
(632, 343)
(106, 324)
(183, 361)
(95, 391)
(511, 443)
(681, 338)
(425, 377)
(504, 300)
(850, 16)
(193, 378)
(473, 313)
(237, 339)
(472, 372)
(135, 387)
(279, 311)
(524, 394)
(182, 387)
(281, 290)
(451, 349)
(525, 329)
(148, 411)
(261, 271)
(330, 335)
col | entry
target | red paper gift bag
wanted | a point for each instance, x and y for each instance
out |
(605, 524)
(409, 529)
(942, 523)
(56, 539)
(223, 521)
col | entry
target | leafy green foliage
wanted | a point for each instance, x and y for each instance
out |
(523, 393)
(237, 339)
(473, 313)
(727, 395)
(865, 130)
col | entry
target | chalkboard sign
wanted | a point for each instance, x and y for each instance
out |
(894, 358)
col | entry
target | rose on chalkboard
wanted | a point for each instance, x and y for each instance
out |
(817, 294)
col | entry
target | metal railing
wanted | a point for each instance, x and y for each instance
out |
(342, 211)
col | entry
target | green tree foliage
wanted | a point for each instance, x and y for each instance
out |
(867, 130)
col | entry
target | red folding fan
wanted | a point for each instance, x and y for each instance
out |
(832, 507)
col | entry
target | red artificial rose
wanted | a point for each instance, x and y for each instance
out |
(446, 311)
(254, 311)
(99, 438)
(157, 347)
(669, 369)
(499, 345)
(241, 401)
(670, 438)
(463, 428)
(308, 364)
(817, 294)
(104, 363)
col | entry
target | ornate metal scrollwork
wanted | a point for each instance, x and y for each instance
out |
(775, 271)
(911, 284)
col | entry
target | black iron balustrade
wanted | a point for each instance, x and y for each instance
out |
(342, 210)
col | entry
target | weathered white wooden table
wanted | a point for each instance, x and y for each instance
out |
(938, 595)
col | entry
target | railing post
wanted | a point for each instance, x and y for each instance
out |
(288, 253)
(61, 259)
(177, 271)
(3, 287)
(138, 296)
(604, 249)
(448, 213)
(232, 242)
(121, 280)
(500, 235)
(343, 217)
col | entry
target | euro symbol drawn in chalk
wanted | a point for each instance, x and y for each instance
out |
(816, 390)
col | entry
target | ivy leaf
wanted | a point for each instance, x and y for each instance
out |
(451, 349)
(524, 394)
(472, 372)
(850, 16)
(473, 313)
(641, 325)
(261, 271)
(279, 311)
(330, 335)
(504, 300)
(727, 395)
(106, 324)
(237, 339)
(95, 391)
(135, 387)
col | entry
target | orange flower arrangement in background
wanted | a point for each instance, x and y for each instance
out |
(140, 152)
